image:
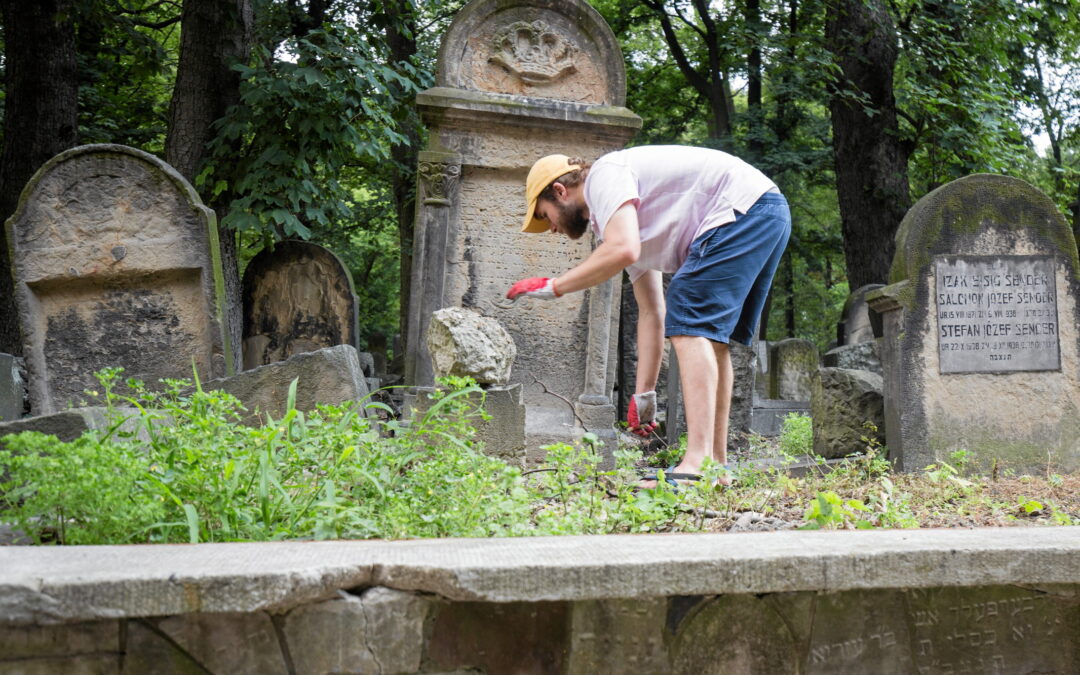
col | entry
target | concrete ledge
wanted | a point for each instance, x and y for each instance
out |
(45, 585)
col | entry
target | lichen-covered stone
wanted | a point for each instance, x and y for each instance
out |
(859, 356)
(116, 264)
(858, 320)
(12, 389)
(329, 376)
(792, 364)
(842, 402)
(465, 344)
(1002, 394)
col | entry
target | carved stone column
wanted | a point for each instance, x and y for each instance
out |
(437, 179)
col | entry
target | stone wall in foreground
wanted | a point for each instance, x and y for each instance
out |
(1003, 601)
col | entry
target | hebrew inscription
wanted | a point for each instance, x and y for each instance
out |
(996, 314)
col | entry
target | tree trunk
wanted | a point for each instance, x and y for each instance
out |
(40, 117)
(756, 143)
(214, 35)
(870, 159)
(401, 38)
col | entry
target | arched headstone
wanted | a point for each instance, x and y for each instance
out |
(982, 349)
(116, 264)
(298, 297)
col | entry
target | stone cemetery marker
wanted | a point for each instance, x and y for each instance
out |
(298, 298)
(518, 80)
(981, 342)
(116, 264)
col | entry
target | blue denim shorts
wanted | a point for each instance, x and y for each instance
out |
(720, 290)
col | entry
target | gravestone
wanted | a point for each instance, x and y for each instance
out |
(517, 81)
(980, 350)
(792, 364)
(298, 297)
(116, 264)
(858, 324)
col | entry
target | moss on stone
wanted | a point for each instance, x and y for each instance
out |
(969, 206)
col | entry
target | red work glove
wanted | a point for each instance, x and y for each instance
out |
(534, 287)
(641, 417)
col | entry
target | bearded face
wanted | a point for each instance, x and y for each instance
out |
(573, 219)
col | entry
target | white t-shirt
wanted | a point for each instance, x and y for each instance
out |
(679, 192)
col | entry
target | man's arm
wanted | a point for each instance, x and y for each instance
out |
(620, 249)
(649, 293)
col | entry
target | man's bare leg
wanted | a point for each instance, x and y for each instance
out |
(698, 377)
(725, 383)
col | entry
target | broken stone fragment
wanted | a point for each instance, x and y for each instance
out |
(465, 344)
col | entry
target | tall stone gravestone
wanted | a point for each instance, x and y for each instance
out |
(517, 81)
(298, 297)
(981, 329)
(116, 264)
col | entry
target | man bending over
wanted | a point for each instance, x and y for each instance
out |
(716, 222)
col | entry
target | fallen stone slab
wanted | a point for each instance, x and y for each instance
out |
(330, 376)
(58, 584)
(466, 344)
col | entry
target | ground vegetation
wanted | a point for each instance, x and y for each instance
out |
(177, 466)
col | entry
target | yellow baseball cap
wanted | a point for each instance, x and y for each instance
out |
(541, 175)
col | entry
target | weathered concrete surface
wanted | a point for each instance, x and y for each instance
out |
(63, 584)
(116, 264)
(329, 376)
(297, 297)
(464, 343)
(843, 401)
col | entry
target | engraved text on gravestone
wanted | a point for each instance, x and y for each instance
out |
(996, 314)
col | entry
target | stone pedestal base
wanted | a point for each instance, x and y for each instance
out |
(503, 435)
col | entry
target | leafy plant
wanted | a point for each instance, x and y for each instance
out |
(797, 435)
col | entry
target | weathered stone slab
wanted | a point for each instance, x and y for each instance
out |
(463, 343)
(858, 323)
(329, 376)
(768, 415)
(618, 636)
(733, 634)
(74, 639)
(549, 49)
(66, 426)
(381, 631)
(12, 389)
(792, 364)
(116, 264)
(501, 638)
(859, 356)
(958, 375)
(59, 584)
(298, 297)
(843, 401)
(503, 435)
(244, 644)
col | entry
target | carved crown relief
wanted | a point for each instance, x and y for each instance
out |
(534, 52)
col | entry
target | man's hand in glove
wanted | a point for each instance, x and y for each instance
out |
(534, 287)
(641, 417)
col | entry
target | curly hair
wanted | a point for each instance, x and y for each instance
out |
(570, 179)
